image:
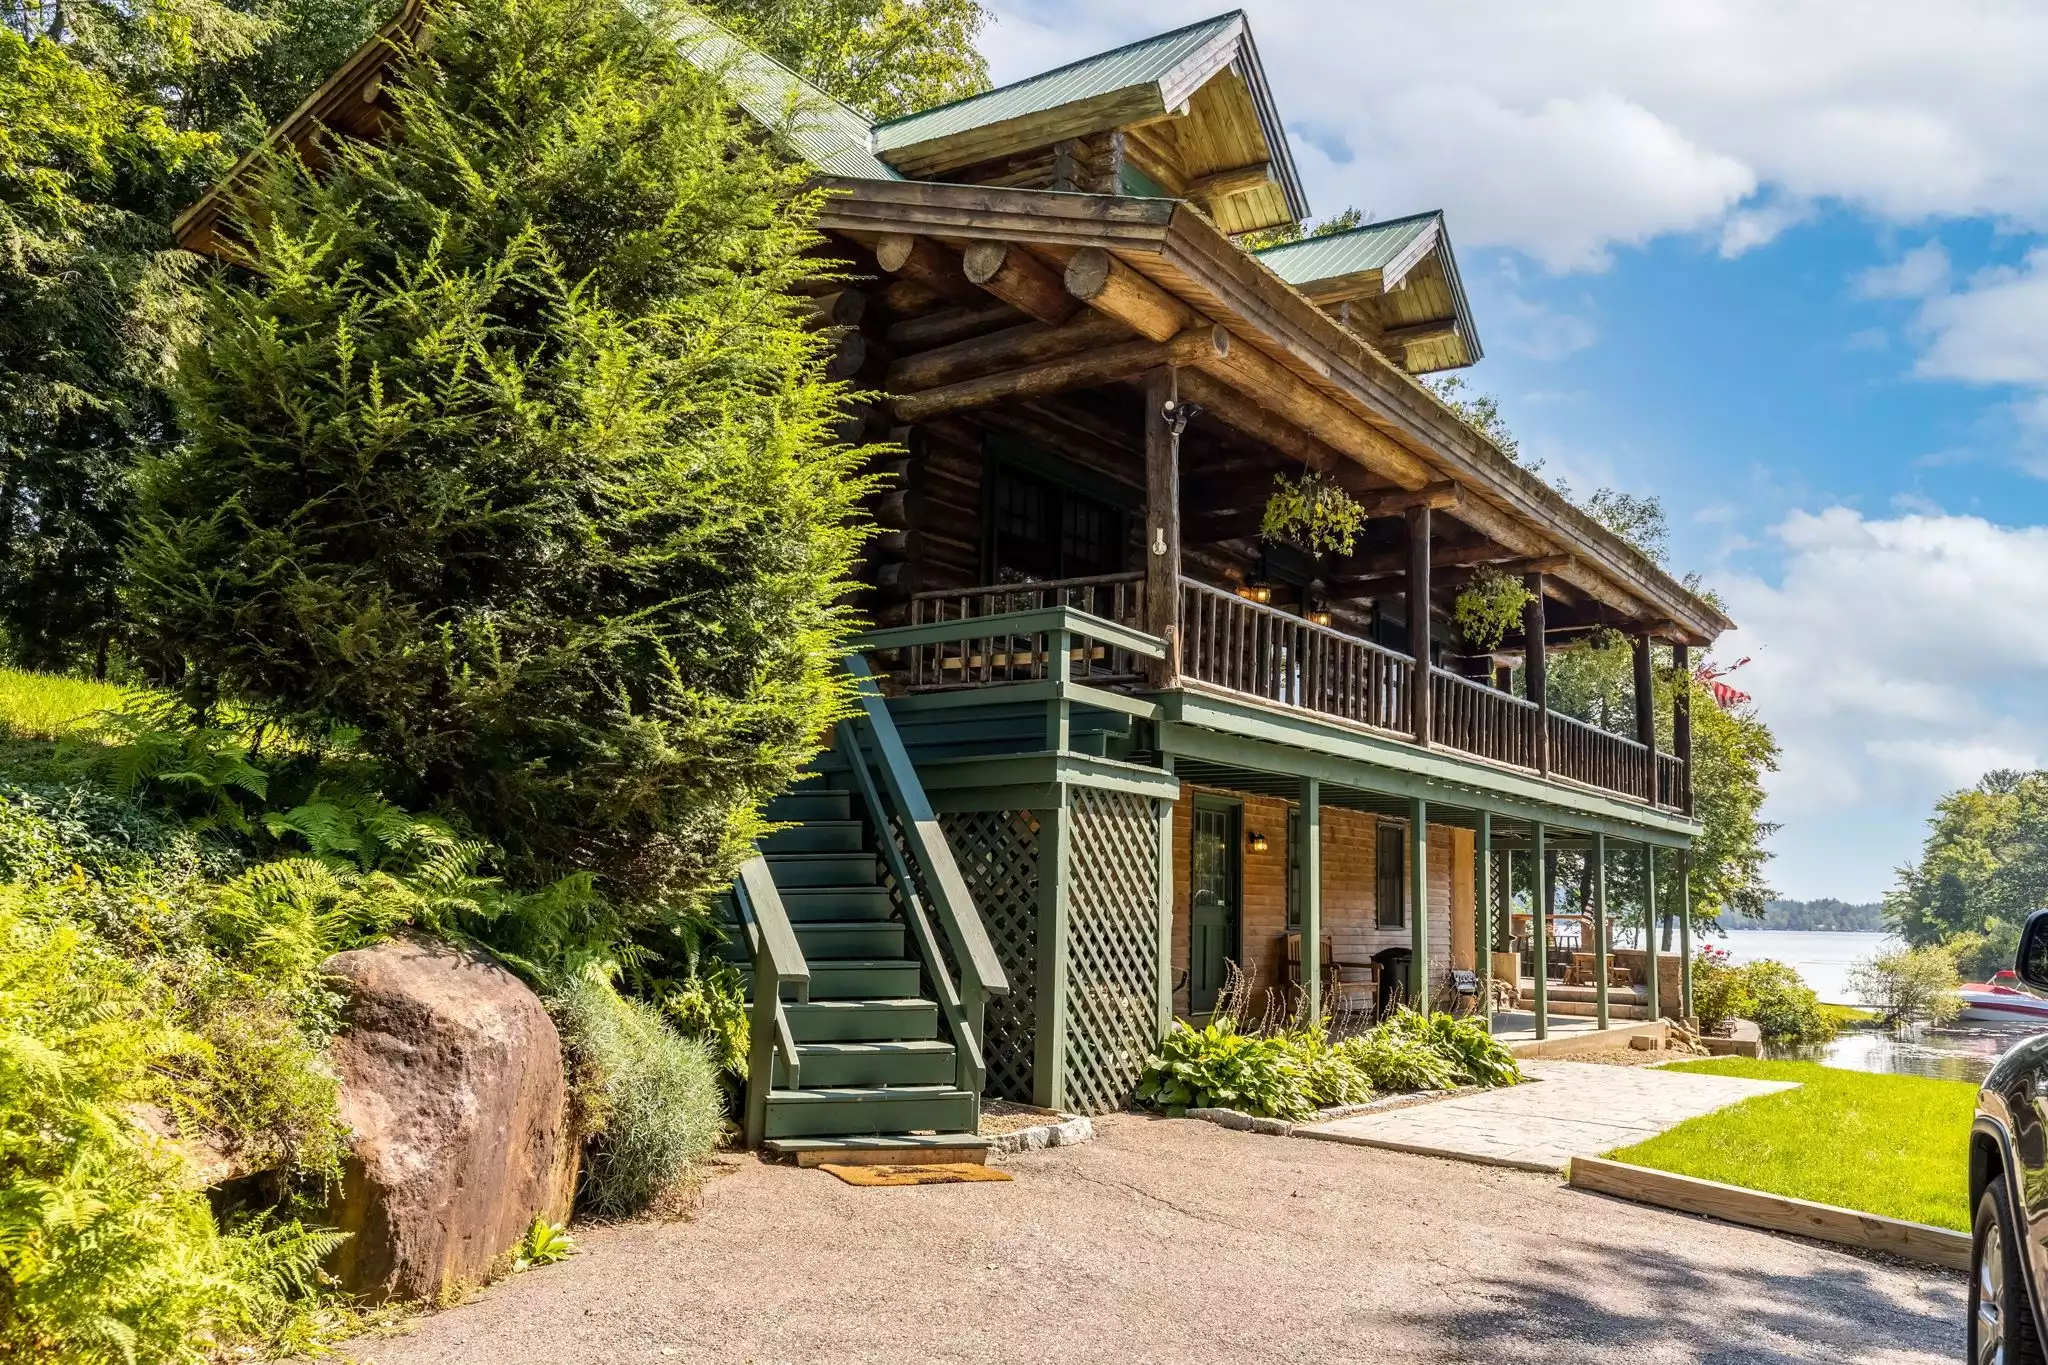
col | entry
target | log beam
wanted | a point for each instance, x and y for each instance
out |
(1241, 415)
(1279, 390)
(840, 308)
(1228, 183)
(1008, 349)
(1417, 334)
(949, 325)
(923, 261)
(1019, 279)
(1106, 284)
(1086, 370)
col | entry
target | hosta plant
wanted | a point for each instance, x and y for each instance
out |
(1217, 1067)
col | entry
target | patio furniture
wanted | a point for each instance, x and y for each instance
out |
(1464, 991)
(1349, 986)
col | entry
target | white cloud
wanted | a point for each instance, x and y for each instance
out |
(1896, 658)
(1918, 273)
(1994, 330)
(1570, 128)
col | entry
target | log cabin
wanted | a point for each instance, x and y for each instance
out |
(1119, 755)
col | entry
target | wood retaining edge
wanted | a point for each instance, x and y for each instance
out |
(1943, 1247)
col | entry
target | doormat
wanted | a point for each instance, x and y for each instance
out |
(949, 1173)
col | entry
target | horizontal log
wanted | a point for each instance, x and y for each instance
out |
(900, 508)
(1106, 284)
(1086, 370)
(848, 357)
(1014, 275)
(949, 325)
(1234, 181)
(840, 308)
(910, 296)
(1029, 344)
(1436, 496)
(1226, 405)
(927, 262)
(1417, 334)
(1273, 386)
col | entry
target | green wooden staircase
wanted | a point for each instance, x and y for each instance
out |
(870, 1037)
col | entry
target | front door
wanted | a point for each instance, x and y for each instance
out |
(1213, 903)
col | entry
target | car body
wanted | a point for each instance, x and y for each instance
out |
(2009, 1189)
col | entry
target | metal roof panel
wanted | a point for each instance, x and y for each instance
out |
(1371, 247)
(1148, 60)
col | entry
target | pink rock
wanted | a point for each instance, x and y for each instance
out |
(452, 1082)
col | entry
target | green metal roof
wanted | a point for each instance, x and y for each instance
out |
(1372, 247)
(1148, 60)
(816, 127)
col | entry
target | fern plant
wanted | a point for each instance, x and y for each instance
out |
(1313, 511)
(1489, 606)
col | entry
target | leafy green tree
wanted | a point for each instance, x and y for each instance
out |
(887, 57)
(1981, 872)
(508, 449)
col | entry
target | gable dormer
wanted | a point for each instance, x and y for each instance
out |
(1184, 115)
(1395, 283)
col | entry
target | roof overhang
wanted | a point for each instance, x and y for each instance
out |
(1181, 251)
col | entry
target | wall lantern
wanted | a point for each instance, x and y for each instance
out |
(1256, 842)
(1321, 615)
(1257, 590)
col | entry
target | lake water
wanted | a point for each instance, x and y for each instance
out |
(1961, 1052)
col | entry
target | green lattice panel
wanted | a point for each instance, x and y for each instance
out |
(998, 856)
(1113, 947)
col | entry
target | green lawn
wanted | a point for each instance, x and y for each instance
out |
(44, 706)
(1892, 1145)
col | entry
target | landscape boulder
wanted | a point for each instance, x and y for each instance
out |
(452, 1084)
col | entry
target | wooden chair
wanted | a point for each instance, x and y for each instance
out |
(1348, 987)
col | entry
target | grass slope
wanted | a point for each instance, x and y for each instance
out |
(1891, 1145)
(45, 706)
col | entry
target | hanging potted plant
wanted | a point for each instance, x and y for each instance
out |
(1314, 512)
(1489, 606)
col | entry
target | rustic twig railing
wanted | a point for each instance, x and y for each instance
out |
(1248, 647)
(1674, 783)
(971, 660)
(1477, 719)
(1584, 753)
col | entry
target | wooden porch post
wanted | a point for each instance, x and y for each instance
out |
(1162, 522)
(1646, 715)
(1418, 903)
(1482, 912)
(1312, 895)
(1650, 923)
(1539, 930)
(1418, 619)
(1685, 934)
(1049, 1043)
(1163, 813)
(1599, 856)
(1536, 669)
(1681, 718)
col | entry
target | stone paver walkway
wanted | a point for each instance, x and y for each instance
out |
(1569, 1109)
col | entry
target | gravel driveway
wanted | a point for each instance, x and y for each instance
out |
(1179, 1241)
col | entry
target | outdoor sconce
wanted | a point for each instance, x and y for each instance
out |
(1321, 616)
(1256, 842)
(1258, 590)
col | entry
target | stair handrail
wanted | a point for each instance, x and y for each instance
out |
(981, 971)
(778, 961)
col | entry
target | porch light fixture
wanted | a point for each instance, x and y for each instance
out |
(1321, 615)
(1257, 590)
(1256, 842)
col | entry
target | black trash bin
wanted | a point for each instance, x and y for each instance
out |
(1393, 964)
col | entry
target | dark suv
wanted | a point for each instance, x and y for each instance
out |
(2009, 1189)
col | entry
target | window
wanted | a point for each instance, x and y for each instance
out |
(1294, 869)
(1039, 529)
(1390, 887)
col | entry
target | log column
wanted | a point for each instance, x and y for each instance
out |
(1646, 713)
(1418, 619)
(1162, 521)
(1536, 668)
(1681, 718)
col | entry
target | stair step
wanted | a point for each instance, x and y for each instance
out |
(864, 1109)
(841, 903)
(863, 1021)
(843, 939)
(858, 978)
(810, 804)
(914, 1061)
(818, 836)
(792, 871)
(883, 1148)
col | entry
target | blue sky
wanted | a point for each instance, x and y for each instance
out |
(1784, 265)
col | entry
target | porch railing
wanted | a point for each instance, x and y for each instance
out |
(1249, 647)
(969, 659)
(1478, 719)
(1585, 753)
(778, 962)
(1674, 783)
